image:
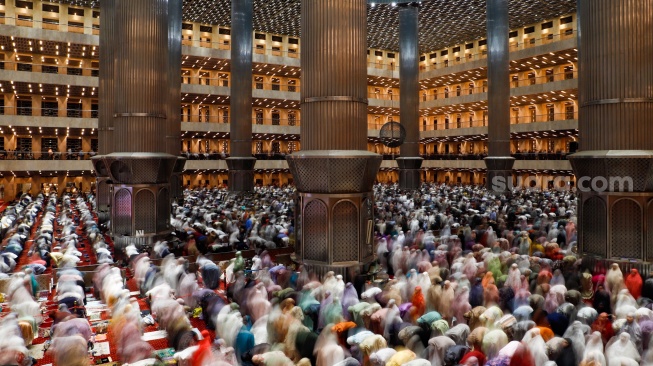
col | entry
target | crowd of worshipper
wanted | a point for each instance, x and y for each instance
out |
(463, 277)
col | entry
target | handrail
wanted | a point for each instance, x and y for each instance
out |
(220, 118)
(48, 112)
(45, 155)
(454, 124)
(543, 155)
(453, 92)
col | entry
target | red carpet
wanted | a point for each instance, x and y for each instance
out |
(3, 206)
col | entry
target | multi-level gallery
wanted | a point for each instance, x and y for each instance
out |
(51, 104)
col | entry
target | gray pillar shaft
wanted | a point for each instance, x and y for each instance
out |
(334, 75)
(106, 80)
(410, 162)
(409, 78)
(615, 76)
(173, 136)
(241, 78)
(498, 79)
(499, 163)
(141, 53)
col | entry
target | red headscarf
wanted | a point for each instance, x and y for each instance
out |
(634, 283)
(203, 351)
(419, 305)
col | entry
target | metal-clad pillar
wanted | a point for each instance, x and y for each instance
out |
(105, 109)
(410, 162)
(140, 100)
(499, 163)
(173, 138)
(335, 173)
(614, 167)
(241, 163)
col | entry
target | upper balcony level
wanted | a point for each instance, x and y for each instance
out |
(75, 25)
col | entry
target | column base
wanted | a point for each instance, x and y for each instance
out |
(138, 185)
(241, 174)
(334, 220)
(499, 174)
(615, 206)
(613, 225)
(410, 173)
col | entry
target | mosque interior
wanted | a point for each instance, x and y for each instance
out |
(326, 182)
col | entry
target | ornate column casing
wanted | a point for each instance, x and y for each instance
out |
(615, 161)
(499, 163)
(334, 174)
(410, 162)
(241, 163)
(139, 140)
(105, 109)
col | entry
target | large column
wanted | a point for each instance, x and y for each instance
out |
(173, 137)
(105, 108)
(499, 163)
(241, 163)
(614, 167)
(334, 174)
(137, 86)
(410, 162)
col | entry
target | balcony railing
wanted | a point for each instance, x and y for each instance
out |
(559, 155)
(463, 91)
(384, 96)
(50, 68)
(466, 123)
(74, 23)
(45, 155)
(48, 112)
(214, 155)
(219, 118)
(383, 65)
(514, 46)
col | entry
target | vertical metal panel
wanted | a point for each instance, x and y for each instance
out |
(122, 213)
(103, 198)
(614, 67)
(241, 78)
(163, 210)
(145, 215)
(345, 232)
(649, 231)
(409, 77)
(498, 79)
(316, 226)
(593, 227)
(334, 63)
(626, 229)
